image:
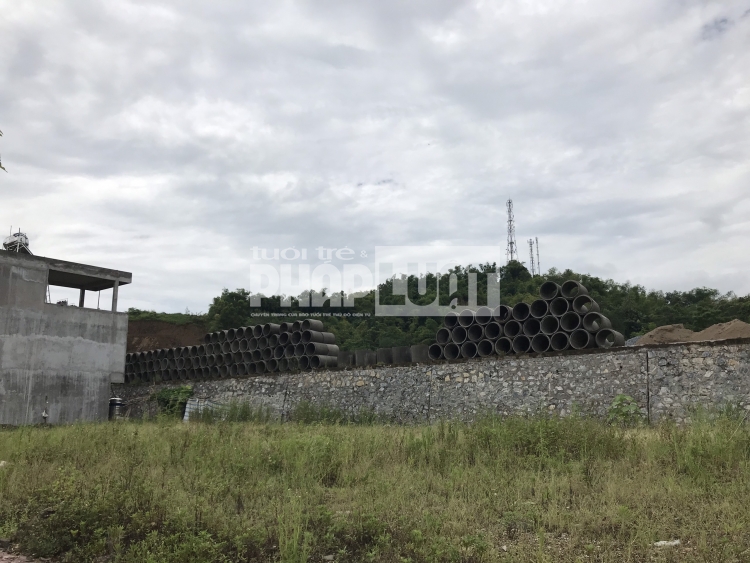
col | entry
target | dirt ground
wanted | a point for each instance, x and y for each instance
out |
(678, 333)
(151, 335)
(6, 557)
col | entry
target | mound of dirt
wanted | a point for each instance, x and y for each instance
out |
(724, 331)
(150, 335)
(667, 335)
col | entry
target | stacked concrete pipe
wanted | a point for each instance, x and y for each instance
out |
(564, 317)
(237, 352)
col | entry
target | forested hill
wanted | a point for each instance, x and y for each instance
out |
(632, 309)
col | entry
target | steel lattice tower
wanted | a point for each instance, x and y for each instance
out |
(512, 250)
(538, 263)
(531, 256)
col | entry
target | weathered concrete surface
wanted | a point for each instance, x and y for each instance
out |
(53, 358)
(665, 381)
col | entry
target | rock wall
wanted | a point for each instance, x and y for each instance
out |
(666, 381)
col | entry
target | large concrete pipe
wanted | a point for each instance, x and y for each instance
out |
(493, 331)
(468, 349)
(572, 289)
(365, 358)
(180, 363)
(231, 334)
(483, 315)
(312, 324)
(273, 340)
(304, 363)
(233, 370)
(149, 355)
(272, 365)
(443, 336)
(270, 328)
(206, 372)
(583, 304)
(485, 348)
(222, 336)
(317, 362)
(512, 329)
(502, 314)
(539, 309)
(521, 344)
(197, 361)
(227, 359)
(224, 371)
(559, 306)
(258, 331)
(451, 319)
(401, 355)
(211, 360)
(451, 351)
(521, 311)
(267, 354)
(550, 325)
(283, 364)
(320, 349)
(243, 345)
(594, 322)
(466, 318)
(299, 350)
(315, 336)
(293, 363)
(419, 353)
(207, 338)
(608, 338)
(226, 347)
(346, 358)
(235, 346)
(262, 343)
(296, 337)
(278, 352)
(260, 367)
(214, 338)
(164, 364)
(435, 352)
(581, 339)
(251, 368)
(285, 327)
(239, 333)
(458, 334)
(531, 327)
(252, 344)
(297, 326)
(475, 332)
(570, 321)
(385, 355)
(185, 352)
(289, 351)
(257, 355)
(549, 291)
(284, 338)
(241, 369)
(247, 357)
(540, 343)
(201, 350)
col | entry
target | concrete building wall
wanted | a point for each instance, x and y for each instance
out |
(57, 358)
(666, 381)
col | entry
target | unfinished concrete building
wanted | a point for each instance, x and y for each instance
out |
(57, 361)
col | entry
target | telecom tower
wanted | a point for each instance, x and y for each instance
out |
(512, 251)
(531, 256)
(538, 263)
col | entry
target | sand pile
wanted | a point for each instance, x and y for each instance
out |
(678, 333)
(150, 335)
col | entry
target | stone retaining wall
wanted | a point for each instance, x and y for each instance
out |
(666, 381)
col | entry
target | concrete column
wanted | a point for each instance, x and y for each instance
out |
(114, 295)
(82, 298)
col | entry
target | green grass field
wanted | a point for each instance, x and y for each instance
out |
(500, 490)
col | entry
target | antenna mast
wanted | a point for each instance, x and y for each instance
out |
(538, 263)
(512, 250)
(531, 256)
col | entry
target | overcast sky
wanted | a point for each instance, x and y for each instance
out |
(169, 138)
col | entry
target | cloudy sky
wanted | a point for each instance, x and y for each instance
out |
(169, 138)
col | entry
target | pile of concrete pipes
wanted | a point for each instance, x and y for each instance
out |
(564, 317)
(268, 348)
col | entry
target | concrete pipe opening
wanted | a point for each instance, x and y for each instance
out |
(211, 360)
(180, 363)
(485, 348)
(223, 371)
(241, 369)
(294, 363)
(550, 325)
(466, 318)
(297, 326)
(289, 350)
(583, 305)
(521, 344)
(285, 327)
(247, 357)
(443, 336)
(296, 337)
(493, 331)
(226, 347)
(540, 343)
(260, 367)
(251, 368)
(214, 338)
(559, 306)
(197, 361)
(304, 363)
(257, 355)
(521, 311)
(594, 322)
(572, 289)
(227, 359)
(502, 314)
(312, 324)
(278, 352)
(570, 321)
(272, 365)
(299, 350)
(267, 353)
(231, 334)
(207, 338)
(608, 338)
(450, 320)
(539, 309)
(235, 346)
(214, 372)
(273, 340)
(483, 315)
(258, 331)
(549, 291)
(262, 343)
(270, 328)
(233, 370)
(475, 332)
(240, 333)
(201, 351)
(458, 334)
(468, 349)
(317, 362)
(243, 345)
(451, 351)
(222, 336)
(531, 327)
(316, 349)
(512, 329)
(252, 344)
(559, 341)
(435, 351)
(581, 339)
(283, 364)
(284, 338)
